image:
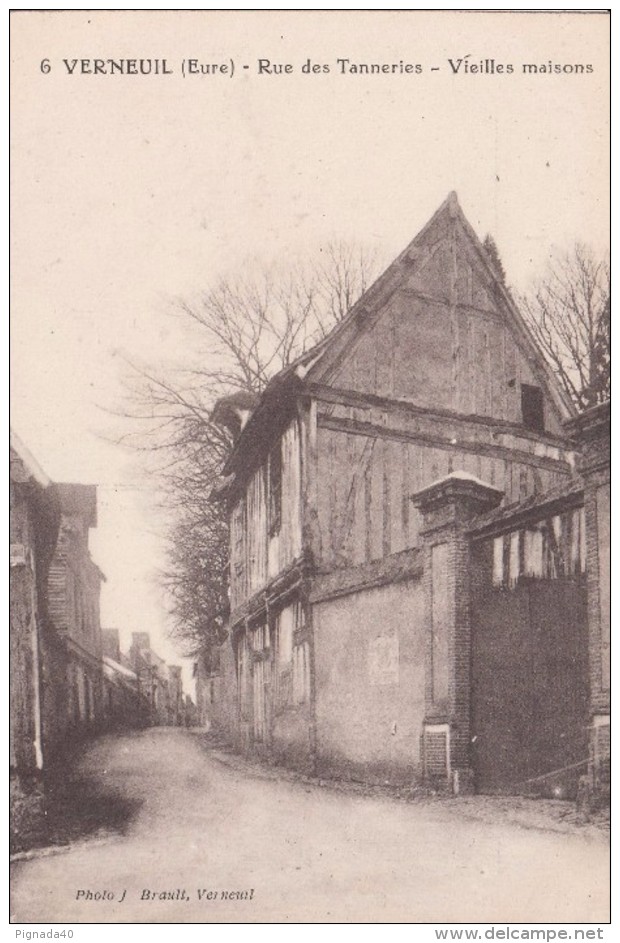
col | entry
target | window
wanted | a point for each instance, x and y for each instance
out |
(532, 408)
(275, 489)
(260, 639)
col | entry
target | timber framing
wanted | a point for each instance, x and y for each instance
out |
(274, 594)
(367, 311)
(511, 516)
(373, 430)
(354, 399)
(376, 597)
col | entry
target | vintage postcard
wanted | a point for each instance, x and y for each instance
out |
(310, 468)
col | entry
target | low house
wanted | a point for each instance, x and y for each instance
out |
(125, 706)
(127, 698)
(160, 684)
(356, 556)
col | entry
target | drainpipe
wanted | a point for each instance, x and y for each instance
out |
(36, 660)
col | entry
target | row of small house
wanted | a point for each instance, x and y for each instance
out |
(69, 678)
(142, 678)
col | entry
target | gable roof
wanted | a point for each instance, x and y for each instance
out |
(318, 363)
(449, 218)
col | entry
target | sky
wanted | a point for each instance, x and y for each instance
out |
(129, 191)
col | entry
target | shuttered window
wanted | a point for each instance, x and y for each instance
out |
(532, 408)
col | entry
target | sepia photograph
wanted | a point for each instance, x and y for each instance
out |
(310, 468)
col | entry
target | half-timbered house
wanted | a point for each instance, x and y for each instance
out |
(354, 487)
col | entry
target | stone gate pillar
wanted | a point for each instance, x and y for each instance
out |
(447, 506)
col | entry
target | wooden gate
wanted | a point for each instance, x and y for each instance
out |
(529, 688)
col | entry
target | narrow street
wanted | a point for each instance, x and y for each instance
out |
(293, 851)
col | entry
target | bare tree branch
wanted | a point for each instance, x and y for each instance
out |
(242, 331)
(568, 312)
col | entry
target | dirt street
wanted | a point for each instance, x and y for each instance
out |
(204, 842)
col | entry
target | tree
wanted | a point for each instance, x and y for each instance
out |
(240, 333)
(490, 247)
(569, 315)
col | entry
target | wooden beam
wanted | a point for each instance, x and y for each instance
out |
(328, 394)
(356, 427)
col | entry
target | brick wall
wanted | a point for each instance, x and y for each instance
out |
(592, 431)
(446, 508)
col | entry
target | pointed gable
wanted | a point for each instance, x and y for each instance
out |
(439, 329)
